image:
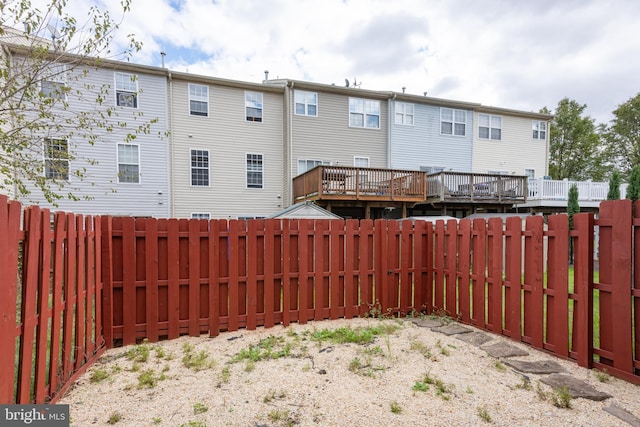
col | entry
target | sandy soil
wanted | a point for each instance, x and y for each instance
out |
(407, 376)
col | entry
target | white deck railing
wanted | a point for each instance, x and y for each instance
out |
(547, 189)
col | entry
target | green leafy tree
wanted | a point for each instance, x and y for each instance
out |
(614, 186)
(633, 190)
(572, 204)
(574, 144)
(623, 135)
(48, 103)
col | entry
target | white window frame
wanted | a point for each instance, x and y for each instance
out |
(126, 85)
(53, 85)
(364, 110)
(200, 215)
(363, 159)
(307, 101)
(530, 173)
(198, 94)
(254, 101)
(494, 124)
(315, 163)
(248, 170)
(539, 130)
(404, 113)
(120, 175)
(200, 167)
(56, 167)
(457, 121)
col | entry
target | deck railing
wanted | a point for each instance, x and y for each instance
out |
(352, 183)
(547, 189)
(476, 188)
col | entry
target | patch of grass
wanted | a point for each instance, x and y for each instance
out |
(602, 376)
(250, 366)
(484, 415)
(524, 384)
(499, 366)
(442, 389)
(267, 348)
(395, 407)
(197, 361)
(199, 408)
(98, 375)
(139, 353)
(354, 335)
(114, 417)
(157, 420)
(420, 348)
(149, 379)
(561, 398)
(420, 386)
(194, 424)
(443, 350)
(469, 390)
(225, 374)
(283, 417)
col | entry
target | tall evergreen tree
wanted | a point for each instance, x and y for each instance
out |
(614, 186)
(633, 190)
(572, 204)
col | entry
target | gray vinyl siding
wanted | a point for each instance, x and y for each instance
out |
(328, 136)
(422, 144)
(229, 138)
(100, 191)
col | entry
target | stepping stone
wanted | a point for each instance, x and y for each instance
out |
(623, 414)
(475, 338)
(452, 329)
(576, 387)
(428, 322)
(539, 367)
(503, 349)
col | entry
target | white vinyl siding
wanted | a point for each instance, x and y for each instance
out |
(200, 168)
(364, 113)
(254, 170)
(198, 100)
(404, 113)
(253, 106)
(453, 122)
(126, 90)
(128, 163)
(306, 103)
(489, 127)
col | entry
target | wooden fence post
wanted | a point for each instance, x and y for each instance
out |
(583, 289)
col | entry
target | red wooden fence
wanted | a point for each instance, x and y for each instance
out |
(50, 311)
(162, 278)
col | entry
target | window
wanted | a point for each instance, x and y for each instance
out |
(530, 173)
(306, 103)
(200, 168)
(198, 100)
(404, 113)
(253, 106)
(308, 164)
(453, 122)
(53, 84)
(539, 129)
(361, 162)
(254, 170)
(432, 169)
(200, 215)
(127, 90)
(128, 163)
(364, 113)
(490, 127)
(56, 159)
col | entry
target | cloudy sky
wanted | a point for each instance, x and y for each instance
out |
(521, 54)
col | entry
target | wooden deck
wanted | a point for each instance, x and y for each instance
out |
(344, 183)
(461, 187)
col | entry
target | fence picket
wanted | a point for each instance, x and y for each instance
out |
(557, 291)
(464, 265)
(513, 278)
(478, 268)
(42, 330)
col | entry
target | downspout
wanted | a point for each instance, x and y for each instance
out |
(171, 146)
(14, 171)
(546, 151)
(289, 143)
(389, 124)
